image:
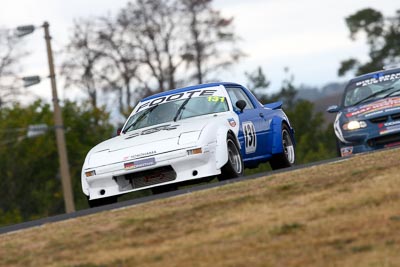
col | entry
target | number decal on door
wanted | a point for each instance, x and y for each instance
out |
(250, 138)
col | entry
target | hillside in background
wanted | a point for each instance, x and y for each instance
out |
(312, 94)
(344, 213)
(322, 98)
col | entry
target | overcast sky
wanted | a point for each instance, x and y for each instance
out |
(308, 36)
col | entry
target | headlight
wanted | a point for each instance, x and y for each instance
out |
(189, 137)
(354, 125)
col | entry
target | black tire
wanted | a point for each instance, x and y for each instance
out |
(163, 189)
(102, 201)
(338, 148)
(288, 157)
(234, 167)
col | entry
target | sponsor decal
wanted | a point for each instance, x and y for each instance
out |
(390, 129)
(374, 113)
(378, 78)
(183, 95)
(346, 151)
(140, 155)
(392, 144)
(384, 105)
(387, 124)
(232, 122)
(139, 163)
(167, 127)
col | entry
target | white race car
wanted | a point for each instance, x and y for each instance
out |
(184, 135)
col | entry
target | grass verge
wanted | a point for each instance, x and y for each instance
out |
(341, 214)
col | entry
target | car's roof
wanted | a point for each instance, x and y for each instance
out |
(372, 74)
(193, 87)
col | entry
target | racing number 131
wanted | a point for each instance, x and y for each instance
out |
(250, 138)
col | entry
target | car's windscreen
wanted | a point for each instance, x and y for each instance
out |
(376, 87)
(176, 110)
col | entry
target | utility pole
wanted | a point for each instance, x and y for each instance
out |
(59, 128)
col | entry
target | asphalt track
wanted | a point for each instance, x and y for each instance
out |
(132, 202)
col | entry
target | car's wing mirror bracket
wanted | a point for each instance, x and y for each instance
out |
(241, 104)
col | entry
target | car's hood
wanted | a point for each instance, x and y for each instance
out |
(143, 142)
(373, 109)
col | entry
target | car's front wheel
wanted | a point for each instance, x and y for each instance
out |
(234, 167)
(102, 201)
(287, 158)
(338, 147)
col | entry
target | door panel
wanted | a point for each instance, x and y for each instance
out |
(253, 126)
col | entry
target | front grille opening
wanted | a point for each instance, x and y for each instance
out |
(384, 140)
(395, 116)
(145, 178)
(379, 119)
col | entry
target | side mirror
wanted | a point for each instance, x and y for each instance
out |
(119, 131)
(241, 104)
(333, 109)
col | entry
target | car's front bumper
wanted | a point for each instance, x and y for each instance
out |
(372, 142)
(171, 167)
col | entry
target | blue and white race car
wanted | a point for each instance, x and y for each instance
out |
(187, 135)
(369, 115)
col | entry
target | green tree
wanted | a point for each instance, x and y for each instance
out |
(382, 37)
(258, 83)
(30, 184)
(314, 140)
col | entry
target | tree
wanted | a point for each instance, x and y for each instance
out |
(121, 61)
(142, 50)
(156, 31)
(82, 67)
(28, 189)
(288, 91)
(211, 45)
(382, 37)
(257, 82)
(10, 55)
(314, 140)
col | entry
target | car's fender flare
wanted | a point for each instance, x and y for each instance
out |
(85, 186)
(276, 126)
(221, 153)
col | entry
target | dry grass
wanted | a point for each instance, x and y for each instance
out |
(341, 214)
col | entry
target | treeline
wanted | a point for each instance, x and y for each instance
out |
(30, 183)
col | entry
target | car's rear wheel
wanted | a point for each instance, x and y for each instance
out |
(102, 201)
(234, 167)
(287, 158)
